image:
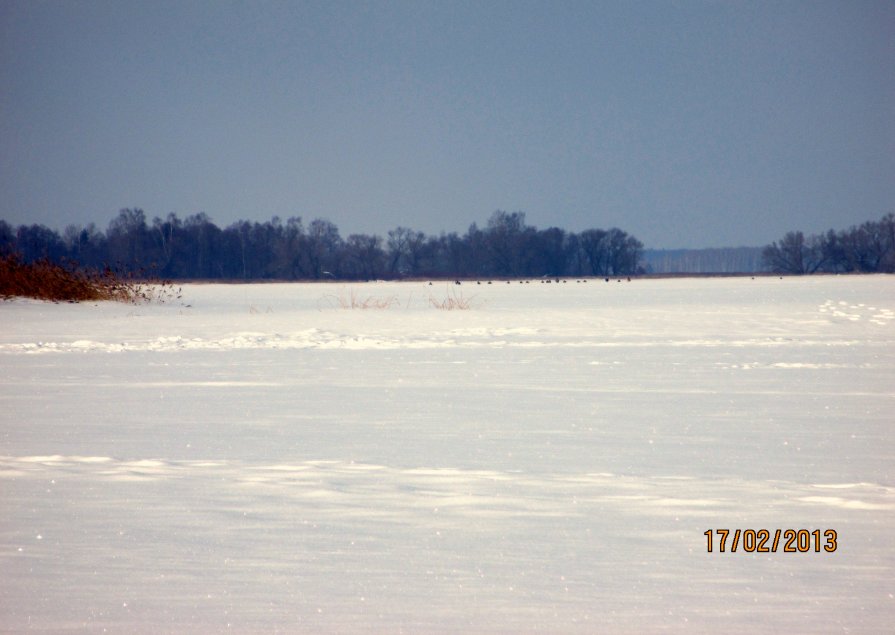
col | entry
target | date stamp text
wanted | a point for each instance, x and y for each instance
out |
(772, 541)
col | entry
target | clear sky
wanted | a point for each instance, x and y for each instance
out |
(689, 123)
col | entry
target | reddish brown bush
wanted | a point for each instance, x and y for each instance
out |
(47, 280)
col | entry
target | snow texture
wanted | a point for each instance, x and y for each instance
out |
(259, 459)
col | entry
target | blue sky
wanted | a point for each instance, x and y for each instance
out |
(685, 123)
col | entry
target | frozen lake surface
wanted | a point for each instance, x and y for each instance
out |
(260, 459)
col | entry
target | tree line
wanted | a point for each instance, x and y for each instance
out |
(196, 248)
(713, 260)
(865, 248)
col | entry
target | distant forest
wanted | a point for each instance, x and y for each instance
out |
(196, 248)
(866, 248)
(726, 260)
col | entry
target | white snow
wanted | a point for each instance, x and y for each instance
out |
(263, 460)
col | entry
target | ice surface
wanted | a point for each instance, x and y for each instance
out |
(263, 460)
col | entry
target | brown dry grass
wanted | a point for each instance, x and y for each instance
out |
(353, 300)
(45, 280)
(454, 301)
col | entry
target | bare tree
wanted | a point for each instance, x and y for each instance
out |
(364, 257)
(404, 250)
(322, 245)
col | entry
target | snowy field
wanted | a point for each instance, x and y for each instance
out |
(259, 459)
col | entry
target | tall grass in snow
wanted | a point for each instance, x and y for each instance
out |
(67, 282)
(453, 301)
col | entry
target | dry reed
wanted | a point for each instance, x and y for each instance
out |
(67, 282)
